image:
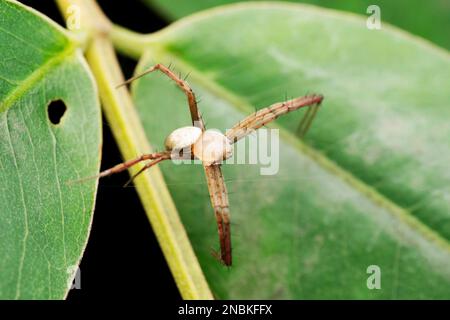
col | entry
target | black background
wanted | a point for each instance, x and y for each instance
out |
(122, 258)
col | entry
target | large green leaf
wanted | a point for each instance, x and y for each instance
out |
(429, 19)
(44, 219)
(371, 184)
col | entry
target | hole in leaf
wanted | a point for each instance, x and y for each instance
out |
(56, 110)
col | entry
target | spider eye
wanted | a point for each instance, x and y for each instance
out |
(182, 137)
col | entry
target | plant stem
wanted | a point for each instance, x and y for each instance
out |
(129, 43)
(121, 115)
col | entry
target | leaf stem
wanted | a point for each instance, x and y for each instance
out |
(127, 129)
(130, 43)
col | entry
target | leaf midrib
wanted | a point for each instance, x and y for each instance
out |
(34, 77)
(377, 198)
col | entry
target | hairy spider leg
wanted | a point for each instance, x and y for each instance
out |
(193, 108)
(219, 200)
(127, 164)
(307, 120)
(148, 165)
(269, 114)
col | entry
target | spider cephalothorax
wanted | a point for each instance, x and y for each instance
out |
(212, 147)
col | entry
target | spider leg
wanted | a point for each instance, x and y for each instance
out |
(195, 115)
(307, 120)
(269, 114)
(219, 200)
(148, 165)
(127, 164)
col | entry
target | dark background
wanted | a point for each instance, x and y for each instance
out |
(122, 258)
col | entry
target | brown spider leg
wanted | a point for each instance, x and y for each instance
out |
(195, 114)
(219, 200)
(127, 164)
(304, 119)
(148, 165)
(307, 120)
(269, 114)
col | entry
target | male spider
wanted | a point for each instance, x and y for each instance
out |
(212, 147)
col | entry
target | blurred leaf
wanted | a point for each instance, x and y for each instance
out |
(44, 220)
(429, 19)
(370, 187)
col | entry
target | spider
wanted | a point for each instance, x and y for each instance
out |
(212, 147)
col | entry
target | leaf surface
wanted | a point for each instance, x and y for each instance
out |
(370, 184)
(429, 19)
(45, 218)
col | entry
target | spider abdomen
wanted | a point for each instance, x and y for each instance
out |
(210, 146)
(182, 138)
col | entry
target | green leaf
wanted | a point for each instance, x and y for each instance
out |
(44, 219)
(371, 184)
(429, 19)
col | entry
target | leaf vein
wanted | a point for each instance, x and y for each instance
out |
(26, 232)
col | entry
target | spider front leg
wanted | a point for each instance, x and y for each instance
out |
(307, 120)
(269, 114)
(195, 114)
